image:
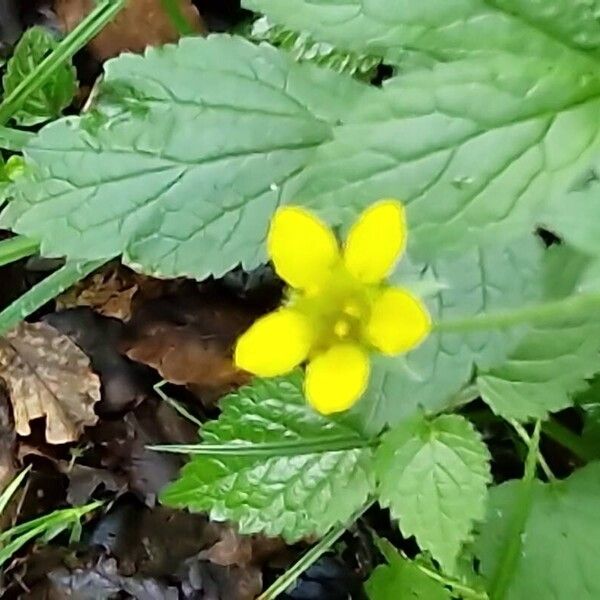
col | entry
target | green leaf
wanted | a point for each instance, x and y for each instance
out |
(554, 359)
(182, 167)
(290, 495)
(403, 579)
(475, 148)
(485, 279)
(560, 542)
(555, 29)
(303, 48)
(433, 476)
(55, 95)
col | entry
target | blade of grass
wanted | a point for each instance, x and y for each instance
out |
(46, 290)
(306, 561)
(270, 449)
(16, 248)
(92, 24)
(11, 488)
(181, 24)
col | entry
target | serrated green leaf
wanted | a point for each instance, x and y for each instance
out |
(445, 30)
(403, 579)
(55, 95)
(434, 476)
(485, 279)
(560, 544)
(303, 48)
(293, 496)
(475, 148)
(554, 359)
(183, 166)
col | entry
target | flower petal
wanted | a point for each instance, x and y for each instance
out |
(302, 247)
(376, 241)
(336, 379)
(275, 344)
(398, 321)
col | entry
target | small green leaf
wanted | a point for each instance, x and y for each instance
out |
(560, 543)
(55, 95)
(554, 359)
(403, 579)
(289, 495)
(433, 476)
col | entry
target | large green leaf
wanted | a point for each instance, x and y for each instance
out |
(433, 476)
(554, 359)
(52, 97)
(474, 147)
(560, 544)
(183, 165)
(445, 29)
(484, 280)
(288, 494)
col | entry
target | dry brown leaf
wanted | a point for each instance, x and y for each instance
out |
(48, 376)
(189, 339)
(141, 23)
(7, 445)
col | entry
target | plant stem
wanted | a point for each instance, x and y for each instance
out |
(181, 24)
(176, 405)
(527, 439)
(14, 139)
(565, 437)
(271, 449)
(501, 578)
(306, 561)
(549, 311)
(16, 248)
(46, 290)
(104, 11)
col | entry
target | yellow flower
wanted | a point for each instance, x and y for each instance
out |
(339, 307)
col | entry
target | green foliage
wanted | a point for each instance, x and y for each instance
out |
(554, 359)
(559, 544)
(433, 476)
(55, 94)
(303, 48)
(290, 494)
(401, 578)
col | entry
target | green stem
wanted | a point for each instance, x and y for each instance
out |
(550, 311)
(16, 248)
(503, 573)
(46, 290)
(186, 414)
(14, 139)
(181, 24)
(74, 41)
(271, 449)
(527, 439)
(566, 438)
(306, 561)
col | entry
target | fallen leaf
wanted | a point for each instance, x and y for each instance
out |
(124, 383)
(7, 449)
(189, 338)
(47, 375)
(84, 481)
(141, 23)
(111, 291)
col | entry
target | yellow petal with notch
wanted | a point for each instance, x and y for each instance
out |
(302, 247)
(336, 379)
(275, 344)
(398, 323)
(376, 241)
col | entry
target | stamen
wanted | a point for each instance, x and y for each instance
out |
(352, 309)
(341, 328)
